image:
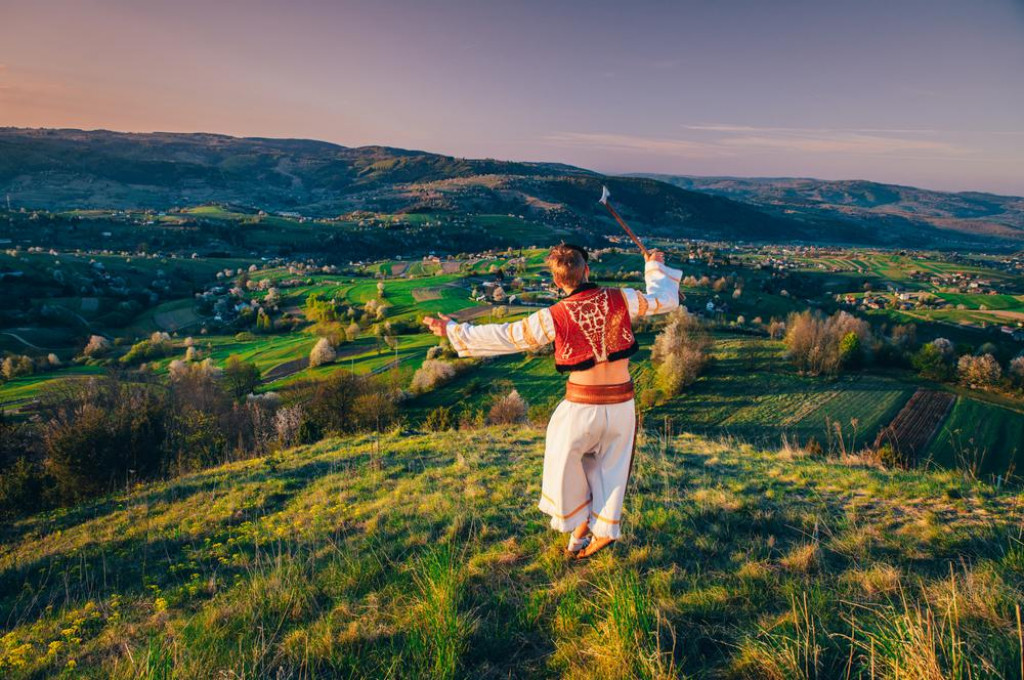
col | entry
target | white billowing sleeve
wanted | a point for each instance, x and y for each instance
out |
(662, 294)
(490, 340)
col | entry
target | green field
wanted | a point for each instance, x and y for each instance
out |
(19, 392)
(986, 438)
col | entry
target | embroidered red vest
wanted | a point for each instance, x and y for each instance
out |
(592, 326)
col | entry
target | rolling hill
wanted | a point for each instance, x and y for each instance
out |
(74, 169)
(976, 213)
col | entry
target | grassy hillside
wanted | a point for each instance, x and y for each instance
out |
(423, 555)
(858, 202)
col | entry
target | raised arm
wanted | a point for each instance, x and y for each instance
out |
(662, 294)
(493, 339)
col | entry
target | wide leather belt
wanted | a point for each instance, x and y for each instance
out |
(599, 394)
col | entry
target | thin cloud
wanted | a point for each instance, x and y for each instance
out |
(845, 143)
(754, 140)
(722, 127)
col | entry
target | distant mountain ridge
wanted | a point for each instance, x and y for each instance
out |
(66, 169)
(980, 212)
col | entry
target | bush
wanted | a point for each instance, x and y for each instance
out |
(288, 425)
(983, 371)
(22, 488)
(932, 363)
(97, 346)
(431, 375)
(680, 352)
(16, 366)
(439, 419)
(1016, 371)
(508, 410)
(777, 329)
(156, 347)
(242, 377)
(850, 351)
(322, 353)
(100, 433)
(945, 347)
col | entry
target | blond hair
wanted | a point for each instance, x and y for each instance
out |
(567, 265)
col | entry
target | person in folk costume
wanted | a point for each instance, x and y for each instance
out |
(588, 454)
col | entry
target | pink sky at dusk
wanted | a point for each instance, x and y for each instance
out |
(922, 92)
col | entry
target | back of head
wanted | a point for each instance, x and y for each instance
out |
(568, 265)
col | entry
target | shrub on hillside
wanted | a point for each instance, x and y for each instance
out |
(439, 419)
(100, 433)
(322, 353)
(431, 375)
(16, 366)
(814, 341)
(508, 409)
(851, 353)
(932, 363)
(241, 377)
(97, 346)
(680, 352)
(156, 347)
(288, 425)
(1016, 371)
(982, 372)
(944, 347)
(777, 329)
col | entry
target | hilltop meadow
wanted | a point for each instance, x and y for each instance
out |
(230, 449)
(416, 554)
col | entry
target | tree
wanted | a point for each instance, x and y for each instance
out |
(242, 377)
(322, 353)
(931, 363)
(814, 341)
(15, 366)
(1016, 371)
(97, 346)
(850, 351)
(263, 322)
(983, 371)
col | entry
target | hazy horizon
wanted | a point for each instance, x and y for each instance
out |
(924, 93)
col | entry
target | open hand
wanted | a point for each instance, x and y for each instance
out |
(655, 256)
(439, 325)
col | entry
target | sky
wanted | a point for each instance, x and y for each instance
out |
(928, 93)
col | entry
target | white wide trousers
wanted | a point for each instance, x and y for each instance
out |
(587, 460)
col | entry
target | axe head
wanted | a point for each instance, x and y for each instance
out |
(605, 194)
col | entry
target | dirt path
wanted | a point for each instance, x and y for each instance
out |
(24, 341)
(292, 367)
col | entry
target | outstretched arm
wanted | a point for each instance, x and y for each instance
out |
(490, 340)
(662, 294)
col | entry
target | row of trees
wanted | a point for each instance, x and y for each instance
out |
(96, 435)
(941, 361)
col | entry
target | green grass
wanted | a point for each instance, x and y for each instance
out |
(424, 556)
(17, 393)
(982, 437)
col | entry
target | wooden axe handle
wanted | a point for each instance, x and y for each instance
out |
(625, 227)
